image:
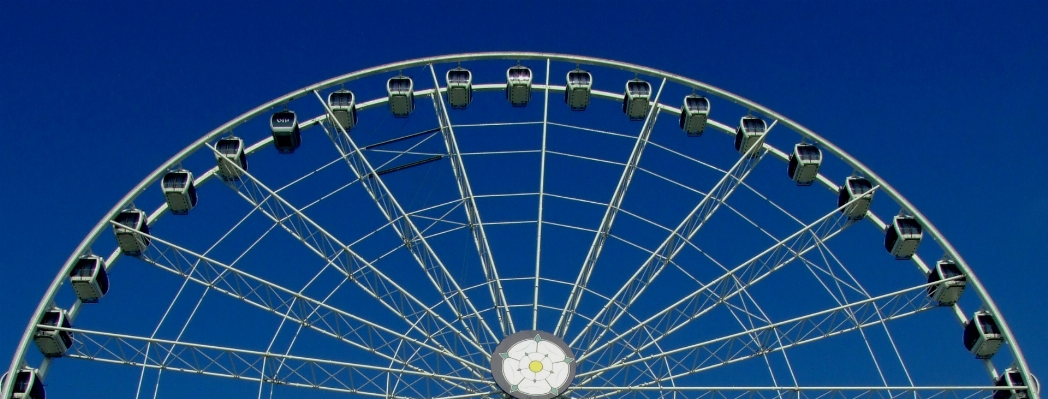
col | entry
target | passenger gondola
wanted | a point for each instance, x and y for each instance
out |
(693, 114)
(53, 343)
(518, 85)
(855, 187)
(577, 90)
(286, 135)
(750, 132)
(637, 99)
(460, 87)
(946, 293)
(129, 224)
(401, 96)
(179, 191)
(982, 336)
(232, 161)
(902, 237)
(89, 278)
(1011, 378)
(27, 385)
(804, 164)
(344, 107)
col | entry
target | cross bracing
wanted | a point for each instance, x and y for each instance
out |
(455, 332)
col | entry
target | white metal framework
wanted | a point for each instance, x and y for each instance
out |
(675, 274)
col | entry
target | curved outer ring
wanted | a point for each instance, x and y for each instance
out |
(929, 228)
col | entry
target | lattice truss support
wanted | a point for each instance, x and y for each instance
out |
(732, 284)
(624, 298)
(476, 226)
(418, 316)
(771, 338)
(305, 372)
(464, 311)
(609, 217)
(358, 332)
(930, 392)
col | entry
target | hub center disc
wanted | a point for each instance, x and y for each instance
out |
(533, 364)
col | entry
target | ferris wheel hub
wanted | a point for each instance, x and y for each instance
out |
(533, 364)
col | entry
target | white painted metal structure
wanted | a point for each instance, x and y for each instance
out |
(423, 323)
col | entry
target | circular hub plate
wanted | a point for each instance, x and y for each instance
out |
(533, 365)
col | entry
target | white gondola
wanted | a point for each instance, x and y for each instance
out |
(53, 343)
(637, 99)
(89, 278)
(401, 96)
(982, 336)
(128, 224)
(1009, 379)
(27, 385)
(750, 132)
(855, 187)
(804, 164)
(179, 191)
(577, 91)
(460, 87)
(902, 237)
(286, 135)
(230, 156)
(946, 293)
(693, 114)
(343, 105)
(518, 85)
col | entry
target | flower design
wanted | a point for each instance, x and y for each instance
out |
(536, 367)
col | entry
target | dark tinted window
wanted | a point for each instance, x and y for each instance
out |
(176, 180)
(908, 226)
(22, 383)
(753, 125)
(340, 99)
(398, 85)
(987, 325)
(520, 73)
(129, 219)
(949, 270)
(50, 318)
(809, 153)
(229, 146)
(859, 185)
(458, 76)
(579, 78)
(84, 268)
(638, 88)
(698, 104)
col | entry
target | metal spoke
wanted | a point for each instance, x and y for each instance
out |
(786, 334)
(824, 250)
(732, 283)
(326, 319)
(542, 191)
(192, 314)
(800, 392)
(480, 238)
(219, 361)
(609, 218)
(611, 312)
(439, 349)
(362, 272)
(420, 249)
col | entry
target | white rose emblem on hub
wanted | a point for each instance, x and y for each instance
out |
(533, 365)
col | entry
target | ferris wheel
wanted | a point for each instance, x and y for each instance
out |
(511, 224)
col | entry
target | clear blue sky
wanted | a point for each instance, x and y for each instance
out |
(942, 99)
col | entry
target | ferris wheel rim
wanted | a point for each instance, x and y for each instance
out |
(128, 199)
